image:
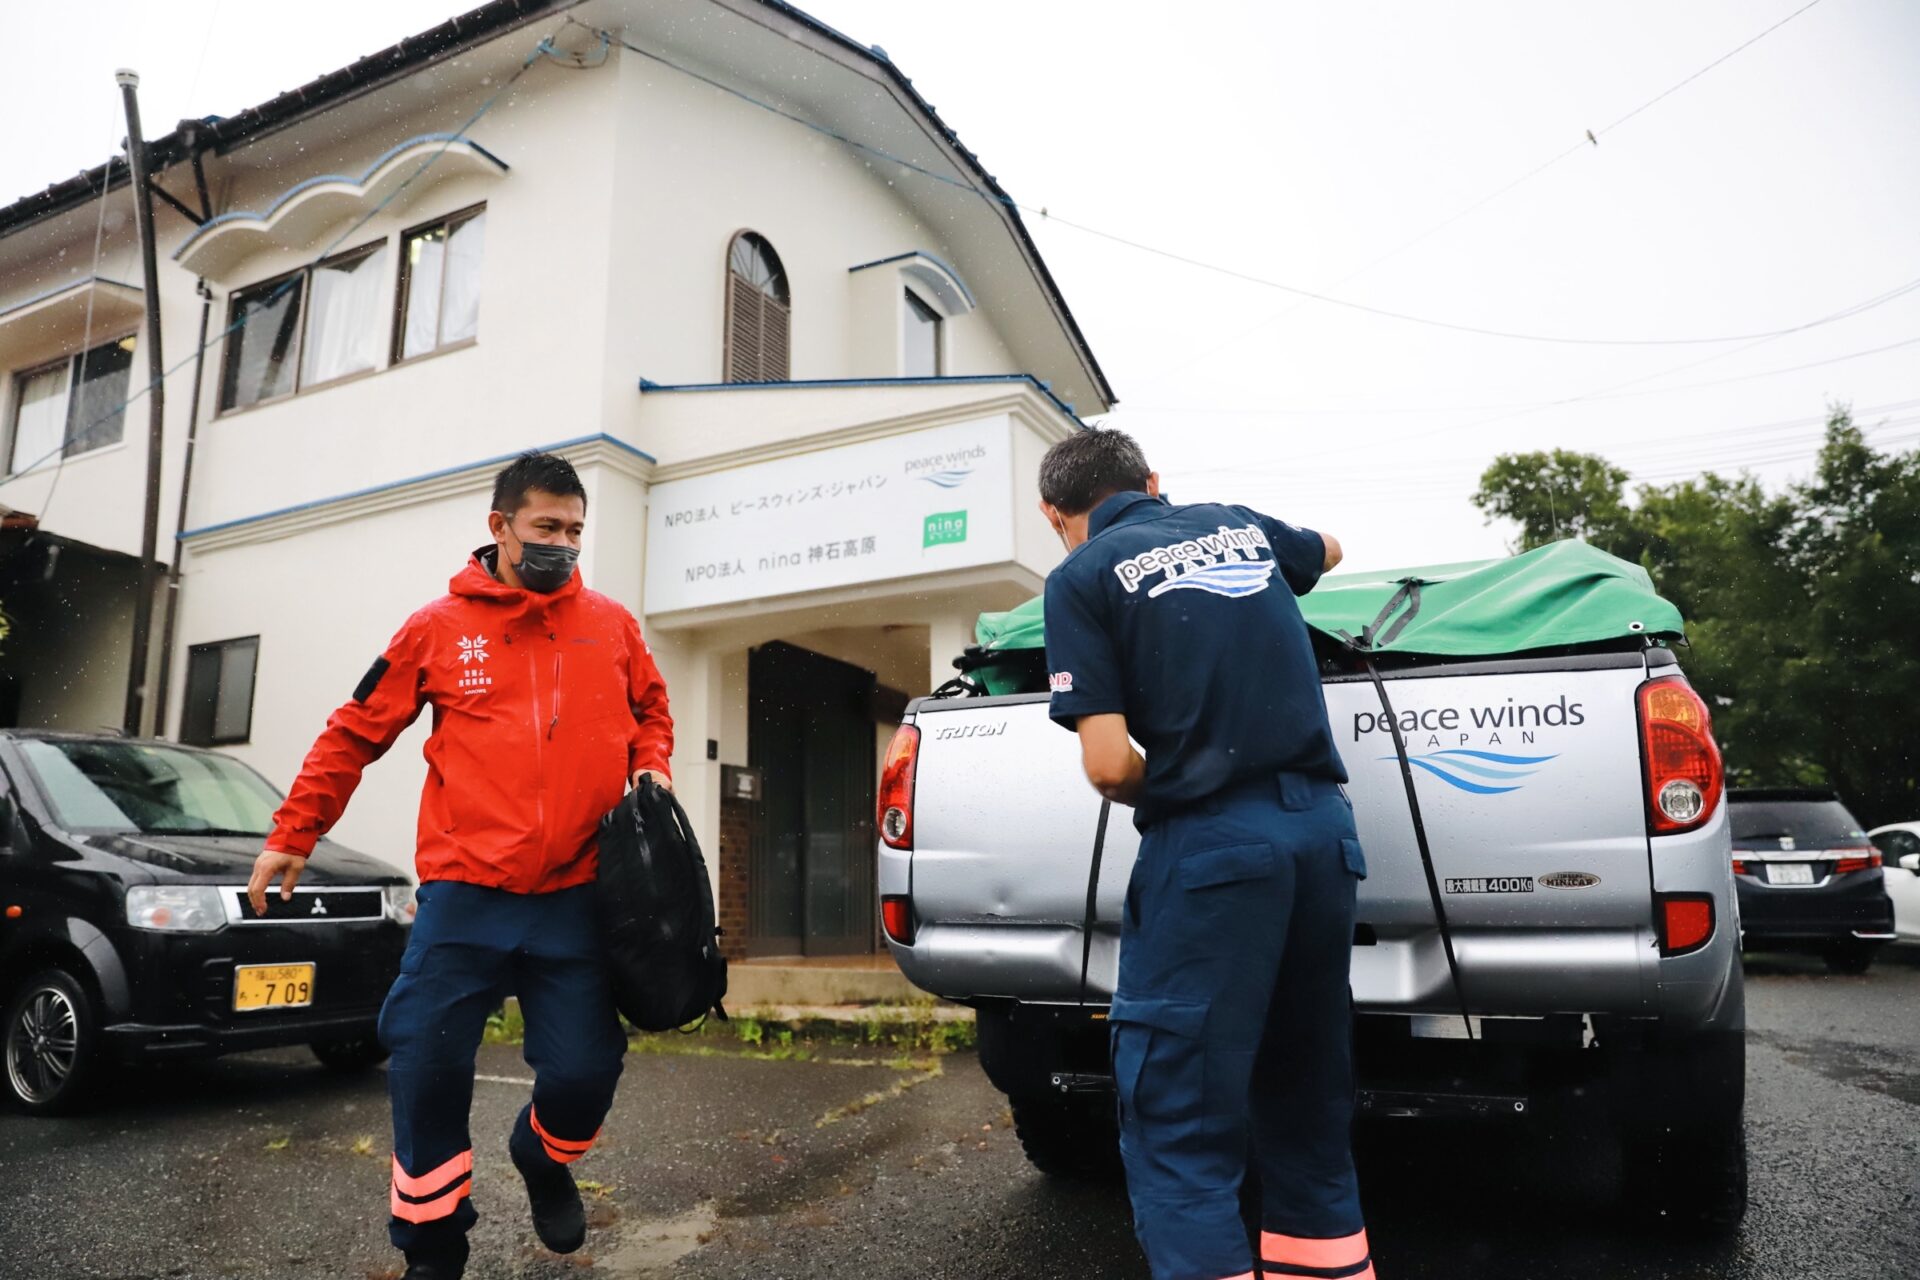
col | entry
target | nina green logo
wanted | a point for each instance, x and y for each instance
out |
(943, 527)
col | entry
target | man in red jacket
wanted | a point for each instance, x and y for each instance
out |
(546, 707)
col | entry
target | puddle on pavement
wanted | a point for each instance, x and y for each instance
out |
(1860, 1066)
(649, 1246)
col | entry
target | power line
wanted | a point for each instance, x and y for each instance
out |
(1335, 411)
(544, 48)
(1046, 214)
(1488, 199)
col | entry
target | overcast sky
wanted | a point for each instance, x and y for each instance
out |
(1308, 145)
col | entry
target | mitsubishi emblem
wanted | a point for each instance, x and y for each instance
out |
(319, 907)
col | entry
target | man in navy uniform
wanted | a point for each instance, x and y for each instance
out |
(1176, 627)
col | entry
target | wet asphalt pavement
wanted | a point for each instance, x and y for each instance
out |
(843, 1165)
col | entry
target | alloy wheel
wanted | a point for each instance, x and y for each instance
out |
(42, 1045)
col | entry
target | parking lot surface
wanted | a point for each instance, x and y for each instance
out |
(844, 1164)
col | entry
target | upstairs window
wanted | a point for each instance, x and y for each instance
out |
(75, 404)
(920, 339)
(313, 327)
(219, 702)
(759, 313)
(440, 284)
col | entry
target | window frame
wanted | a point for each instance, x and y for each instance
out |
(298, 357)
(934, 316)
(396, 355)
(73, 362)
(729, 315)
(213, 738)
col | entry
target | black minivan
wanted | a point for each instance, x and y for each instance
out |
(125, 933)
(1807, 876)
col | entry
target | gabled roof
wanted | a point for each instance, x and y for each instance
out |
(219, 135)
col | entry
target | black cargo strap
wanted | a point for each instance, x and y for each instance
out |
(1093, 896)
(1364, 646)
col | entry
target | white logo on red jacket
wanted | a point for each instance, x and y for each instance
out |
(473, 664)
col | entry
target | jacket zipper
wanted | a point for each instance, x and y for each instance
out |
(555, 722)
(539, 753)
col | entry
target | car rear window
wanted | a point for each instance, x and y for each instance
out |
(1810, 824)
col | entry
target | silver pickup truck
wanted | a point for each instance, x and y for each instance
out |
(1577, 853)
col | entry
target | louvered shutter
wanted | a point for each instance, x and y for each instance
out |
(775, 323)
(743, 339)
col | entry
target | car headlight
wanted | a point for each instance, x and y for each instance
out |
(175, 908)
(400, 903)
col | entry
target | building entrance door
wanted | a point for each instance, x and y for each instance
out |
(811, 735)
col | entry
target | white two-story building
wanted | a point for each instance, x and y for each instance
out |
(793, 335)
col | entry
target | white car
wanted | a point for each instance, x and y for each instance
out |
(1899, 845)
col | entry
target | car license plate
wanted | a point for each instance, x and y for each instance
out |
(1789, 873)
(272, 986)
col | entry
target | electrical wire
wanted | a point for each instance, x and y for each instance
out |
(1046, 214)
(86, 347)
(1528, 176)
(544, 49)
(1337, 410)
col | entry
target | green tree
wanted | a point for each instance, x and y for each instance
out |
(1560, 495)
(1802, 606)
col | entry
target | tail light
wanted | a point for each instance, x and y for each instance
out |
(896, 917)
(1686, 922)
(1862, 859)
(896, 788)
(1740, 866)
(1683, 769)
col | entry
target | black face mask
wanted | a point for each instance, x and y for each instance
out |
(543, 566)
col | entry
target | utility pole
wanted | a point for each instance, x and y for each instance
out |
(134, 722)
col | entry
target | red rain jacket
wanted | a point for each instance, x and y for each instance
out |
(543, 708)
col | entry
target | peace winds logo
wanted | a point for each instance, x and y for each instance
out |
(1483, 773)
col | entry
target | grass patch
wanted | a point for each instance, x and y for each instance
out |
(506, 1026)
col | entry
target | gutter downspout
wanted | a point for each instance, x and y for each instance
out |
(134, 720)
(180, 519)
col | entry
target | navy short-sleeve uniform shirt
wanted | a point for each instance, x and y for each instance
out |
(1184, 619)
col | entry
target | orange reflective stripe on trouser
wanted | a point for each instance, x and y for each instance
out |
(431, 1195)
(1335, 1258)
(560, 1150)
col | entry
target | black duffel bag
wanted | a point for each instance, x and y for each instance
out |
(655, 909)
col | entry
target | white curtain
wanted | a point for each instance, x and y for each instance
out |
(343, 318)
(39, 419)
(460, 299)
(426, 262)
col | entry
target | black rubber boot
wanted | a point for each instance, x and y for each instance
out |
(442, 1264)
(558, 1217)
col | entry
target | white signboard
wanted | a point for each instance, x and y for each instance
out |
(898, 507)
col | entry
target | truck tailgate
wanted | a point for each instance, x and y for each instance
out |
(1530, 790)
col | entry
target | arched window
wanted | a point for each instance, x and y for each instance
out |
(759, 312)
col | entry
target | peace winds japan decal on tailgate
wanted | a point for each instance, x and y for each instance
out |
(1461, 743)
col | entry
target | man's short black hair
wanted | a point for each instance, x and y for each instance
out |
(1089, 466)
(530, 471)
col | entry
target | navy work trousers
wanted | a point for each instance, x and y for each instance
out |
(1232, 1034)
(471, 947)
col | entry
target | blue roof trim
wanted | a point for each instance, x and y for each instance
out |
(69, 287)
(921, 253)
(247, 215)
(410, 480)
(1041, 385)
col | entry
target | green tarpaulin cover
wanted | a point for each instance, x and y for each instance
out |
(1565, 593)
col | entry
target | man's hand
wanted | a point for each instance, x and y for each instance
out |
(641, 775)
(1334, 552)
(272, 863)
(1116, 770)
